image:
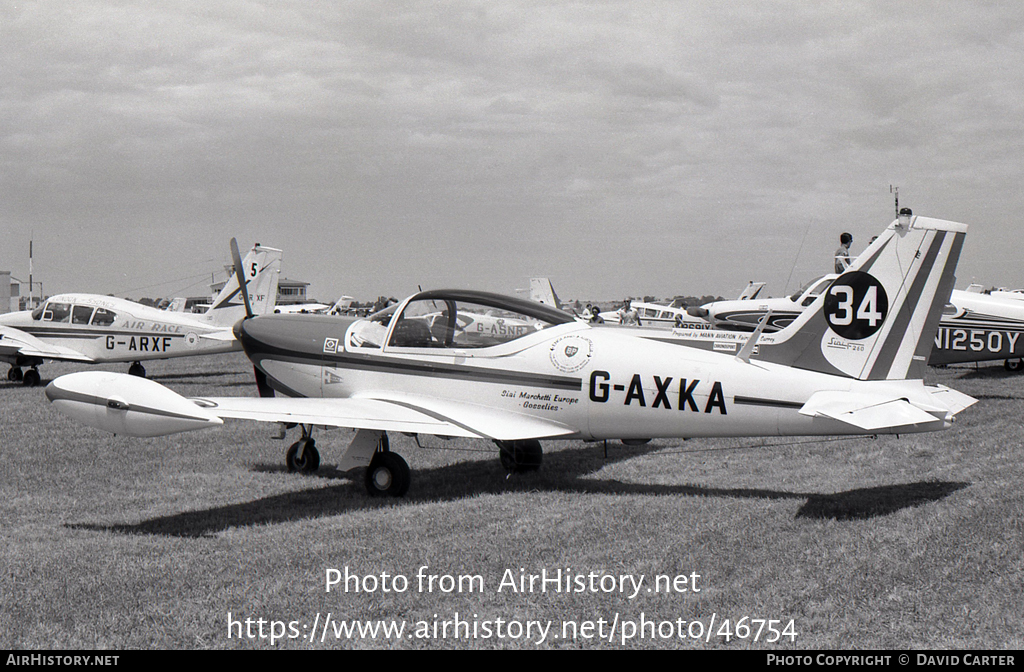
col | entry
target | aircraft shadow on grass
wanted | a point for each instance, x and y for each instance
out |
(562, 471)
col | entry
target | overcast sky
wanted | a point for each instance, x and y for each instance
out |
(618, 148)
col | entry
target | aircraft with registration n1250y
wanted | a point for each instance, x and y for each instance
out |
(534, 372)
(94, 329)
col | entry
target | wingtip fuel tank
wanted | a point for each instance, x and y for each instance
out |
(140, 407)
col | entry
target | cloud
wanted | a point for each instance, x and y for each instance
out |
(505, 132)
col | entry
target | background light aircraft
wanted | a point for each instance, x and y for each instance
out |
(975, 327)
(846, 364)
(93, 328)
(744, 314)
(674, 314)
(340, 306)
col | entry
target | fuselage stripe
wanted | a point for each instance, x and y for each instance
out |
(260, 351)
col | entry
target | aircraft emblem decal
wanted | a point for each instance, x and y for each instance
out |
(331, 345)
(571, 353)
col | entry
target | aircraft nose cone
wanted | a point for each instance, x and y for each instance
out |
(697, 311)
(237, 329)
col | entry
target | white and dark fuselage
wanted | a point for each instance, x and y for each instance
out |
(602, 382)
(93, 328)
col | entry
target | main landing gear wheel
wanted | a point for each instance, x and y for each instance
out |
(14, 374)
(388, 474)
(137, 369)
(30, 378)
(1014, 365)
(307, 462)
(519, 456)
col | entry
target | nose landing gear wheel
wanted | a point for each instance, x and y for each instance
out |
(388, 474)
(136, 369)
(307, 462)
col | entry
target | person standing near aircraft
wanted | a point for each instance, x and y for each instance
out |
(842, 257)
(628, 316)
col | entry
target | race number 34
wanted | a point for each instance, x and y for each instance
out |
(856, 305)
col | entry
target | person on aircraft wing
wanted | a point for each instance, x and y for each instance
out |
(842, 257)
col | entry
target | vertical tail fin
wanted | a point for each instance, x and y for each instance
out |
(750, 291)
(877, 320)
(541, 291)
(262, 268)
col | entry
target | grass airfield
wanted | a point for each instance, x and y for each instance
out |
(870, 543)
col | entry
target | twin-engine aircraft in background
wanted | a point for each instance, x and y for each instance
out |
(844, 368)
(93, 328)
(674, 314)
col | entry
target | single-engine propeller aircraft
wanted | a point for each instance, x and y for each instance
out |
(93, 328)
(544, 375)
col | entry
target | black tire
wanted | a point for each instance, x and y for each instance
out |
(30, 378)
(1013, 365)
(15, 374)
(137, 369)
(388, 474)
(520, 456)
(310, 460)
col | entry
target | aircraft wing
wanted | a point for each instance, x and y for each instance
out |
(15, 342)
(410, 414)
(123, 404)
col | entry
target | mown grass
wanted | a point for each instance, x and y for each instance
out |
(896, 543)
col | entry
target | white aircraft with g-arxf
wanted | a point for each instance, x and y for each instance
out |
(93, 328)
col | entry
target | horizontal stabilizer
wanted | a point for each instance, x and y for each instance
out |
(951, 399)
(876, 411)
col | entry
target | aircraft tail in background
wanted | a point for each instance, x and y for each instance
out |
(750, 291)
(541, 291)
(262, 269)
(877, 320)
